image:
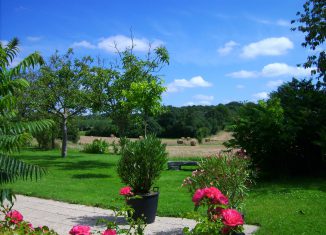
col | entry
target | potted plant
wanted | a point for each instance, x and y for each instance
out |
(140, 165)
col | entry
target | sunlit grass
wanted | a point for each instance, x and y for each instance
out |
(296, 206)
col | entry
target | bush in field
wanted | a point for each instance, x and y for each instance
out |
(201, 133)
(97, 146)
(229, 171)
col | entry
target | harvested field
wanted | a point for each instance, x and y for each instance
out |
(209, 147)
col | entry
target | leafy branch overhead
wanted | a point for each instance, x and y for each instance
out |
(312, 22)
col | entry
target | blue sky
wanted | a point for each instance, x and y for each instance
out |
(220, 50)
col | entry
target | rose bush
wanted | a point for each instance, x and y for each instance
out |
(14, 217)
(219, 218)
(230, 171)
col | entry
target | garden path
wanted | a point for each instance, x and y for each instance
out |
(61, 216)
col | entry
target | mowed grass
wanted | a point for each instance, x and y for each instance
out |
(291, 206)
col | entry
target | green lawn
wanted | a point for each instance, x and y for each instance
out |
(296, 206)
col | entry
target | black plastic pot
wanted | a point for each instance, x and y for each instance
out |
(145, 206)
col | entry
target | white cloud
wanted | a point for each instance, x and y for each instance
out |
(178, 84)
(240, 86)
(275, 83)
(228, 47)
(268, 46)
(84, 43)
(273, 70)
(33, 39)
(285, 23)
(122, 42)
(261, 95)
(243, 74)
(204, 97)
(280, 69)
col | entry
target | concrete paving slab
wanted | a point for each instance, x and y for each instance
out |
(62, 216)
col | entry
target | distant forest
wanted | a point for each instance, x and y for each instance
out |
(174, 122)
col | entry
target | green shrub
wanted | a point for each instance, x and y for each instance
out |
(228, 171)
(97, 146)
(141, 163)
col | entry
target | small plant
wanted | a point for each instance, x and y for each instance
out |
(219, 219)
(97, 146)
(141, 163)
(229, 171)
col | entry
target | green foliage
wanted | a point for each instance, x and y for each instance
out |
(201, 133)
(284, 134)
(13, 134)
(97, 146)
(141, 163)
(230, 172)
(311, 22)
(62, 89)
(137, 89)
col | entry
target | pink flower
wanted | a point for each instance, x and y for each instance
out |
(126, 191)
(109, 232)
(198, 196)
(232, 217)
(216, 196)
(15, 216)
(80, 230)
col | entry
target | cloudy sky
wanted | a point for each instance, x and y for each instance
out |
(220, 50)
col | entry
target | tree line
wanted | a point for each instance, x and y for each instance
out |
(173, 122)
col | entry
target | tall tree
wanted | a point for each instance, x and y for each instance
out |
(62, 89)
(138, 88)
(312, 22)
(14, 134)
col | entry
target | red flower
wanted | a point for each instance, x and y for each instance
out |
(15, 216)
(126, 191)
(232, 217)
(80, 230)
(109, 232)
(212, 193)
(198, 196)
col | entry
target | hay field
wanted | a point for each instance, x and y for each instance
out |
(207, 148)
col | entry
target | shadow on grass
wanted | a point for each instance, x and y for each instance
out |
(90, 175)
(287, 186)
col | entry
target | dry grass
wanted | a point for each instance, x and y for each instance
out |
(205, 149)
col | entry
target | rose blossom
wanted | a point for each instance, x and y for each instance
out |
(80, 230)
(15, 216)
(199, 194)
(232, 217)
(109, 232)
(126, 191)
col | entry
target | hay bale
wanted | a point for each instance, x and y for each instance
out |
(141, 137)
(112, 136)
(188, 138)
(179, 141)
(183, 138)
(193, 142)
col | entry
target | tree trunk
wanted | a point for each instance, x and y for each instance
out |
(64, 136)
(52, 138)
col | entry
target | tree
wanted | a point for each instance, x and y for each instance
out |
(312, 22)
(14, 134)
(62, 89)
(286, 133)
(138, 88)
